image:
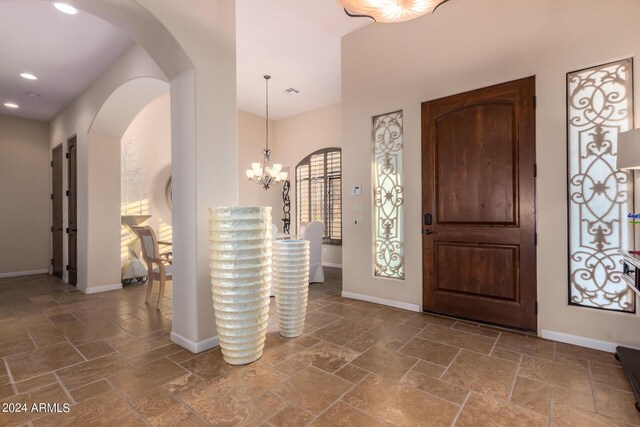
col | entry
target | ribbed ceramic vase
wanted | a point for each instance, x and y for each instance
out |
(240, 260)
(291, 279)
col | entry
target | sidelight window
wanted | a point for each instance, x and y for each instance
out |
(600, 104)
(388, 196)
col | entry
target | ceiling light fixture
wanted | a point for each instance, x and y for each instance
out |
(265, 173)
(11, 105)
(65, 8)
(28, 76)
(33, 95)
(292, 91)
(389, 11)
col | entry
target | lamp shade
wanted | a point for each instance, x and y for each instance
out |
(390, 10)
(629, 150)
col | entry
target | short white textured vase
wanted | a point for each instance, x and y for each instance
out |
(291, 278)
(240, 260)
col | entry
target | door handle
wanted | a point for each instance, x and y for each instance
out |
(428, 231)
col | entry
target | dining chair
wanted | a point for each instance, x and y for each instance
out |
(159, 265)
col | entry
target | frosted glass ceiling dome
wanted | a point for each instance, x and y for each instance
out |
(390, 10)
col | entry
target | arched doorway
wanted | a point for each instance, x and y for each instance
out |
(201, 154)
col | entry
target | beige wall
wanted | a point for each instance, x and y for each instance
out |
(150, 136)
(467, 45)
(297, 137)
(25, 205)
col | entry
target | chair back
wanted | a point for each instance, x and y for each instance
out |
(149, 243)
(313, 232)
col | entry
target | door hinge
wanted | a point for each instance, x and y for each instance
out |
(536, 307)
(51, 261)
(535, 170)
(51, 196)
(535, 239)
(535, 102)
(67, 155)
(52, 228)
(67, 193)
(68, 267)
(51, 163)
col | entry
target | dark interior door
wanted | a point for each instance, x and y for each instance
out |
(478, 183)
(72, 230)
(56, 211)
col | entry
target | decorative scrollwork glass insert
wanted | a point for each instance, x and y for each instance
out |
(388, 196)
(600, 104)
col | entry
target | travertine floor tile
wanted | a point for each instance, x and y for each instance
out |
(45, 359)
(387, 363)
(457, 338)
(616, 404)
(400, 405)
(434, 386)
(522, 344)
(430, 351)
(342, 414)
(312, 389)
(573, 377)
(326, 356)
(483, 374)
(482, 410)
(532, 394)
(291, 416)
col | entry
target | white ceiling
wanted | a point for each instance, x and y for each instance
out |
(66, 52)
(297, 42)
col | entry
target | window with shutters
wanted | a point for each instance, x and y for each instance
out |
(319, 192)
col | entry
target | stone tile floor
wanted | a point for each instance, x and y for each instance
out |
(109, 356)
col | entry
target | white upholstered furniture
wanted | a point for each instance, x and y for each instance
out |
(313, 232)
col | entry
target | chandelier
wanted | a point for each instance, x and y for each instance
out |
(265, 173)
(390, 10)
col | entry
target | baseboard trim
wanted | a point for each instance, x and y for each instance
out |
(330, 264)
(607, 346)
(195, 346)
(383, 301)
(24, 273)
(98, 289)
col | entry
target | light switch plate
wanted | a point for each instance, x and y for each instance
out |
(356, 191)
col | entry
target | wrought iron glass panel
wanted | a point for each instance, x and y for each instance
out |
(600, 104)
(388, 196)
(319, 192)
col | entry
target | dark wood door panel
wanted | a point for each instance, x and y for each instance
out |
(490, 271)
(478, 160)
(57, 230)
(483, 138)
(72, 230)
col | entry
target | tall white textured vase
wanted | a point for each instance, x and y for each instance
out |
(291, 278)
(240, 260)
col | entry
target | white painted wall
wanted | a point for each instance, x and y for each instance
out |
(25, 205)
(467, 45)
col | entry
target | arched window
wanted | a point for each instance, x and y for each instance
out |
(319, 192)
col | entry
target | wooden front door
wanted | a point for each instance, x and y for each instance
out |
(72, 230)
(478, 198)
(57, 230)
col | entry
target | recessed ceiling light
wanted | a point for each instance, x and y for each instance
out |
(11, 105)
(292, 91)
(28, 76)
(33, 95)
(65, 8)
